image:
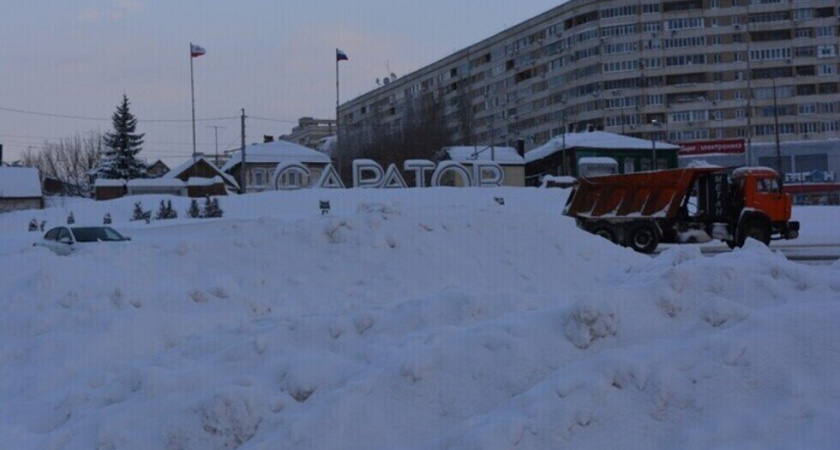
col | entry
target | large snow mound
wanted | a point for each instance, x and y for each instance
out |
(410, 319)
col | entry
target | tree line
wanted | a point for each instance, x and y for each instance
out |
(113, 155)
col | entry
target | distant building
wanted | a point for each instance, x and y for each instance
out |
(309, 132)
(261, 161)
(157, 169)
(202, 168)
(511, 162)
(560, 155)
(676, 71)
(20, 189)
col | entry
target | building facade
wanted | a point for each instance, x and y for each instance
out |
(677, 71)
(310, 132)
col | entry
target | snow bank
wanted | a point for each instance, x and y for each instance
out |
(412, 319)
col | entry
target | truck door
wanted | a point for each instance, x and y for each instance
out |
(768, 197)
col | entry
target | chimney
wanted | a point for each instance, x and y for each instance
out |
(267, 138)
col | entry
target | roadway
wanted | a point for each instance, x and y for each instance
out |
(806, 253)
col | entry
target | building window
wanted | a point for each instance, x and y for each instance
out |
(807, 108)
(825, 31)
(259, 177)
(825, 51)
(827, 69)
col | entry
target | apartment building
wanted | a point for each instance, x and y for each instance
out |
(678, 71)
(309, 132)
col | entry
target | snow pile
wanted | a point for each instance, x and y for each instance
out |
(411, 319)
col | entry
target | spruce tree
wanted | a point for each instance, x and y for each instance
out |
(119, 157)
(194, 212)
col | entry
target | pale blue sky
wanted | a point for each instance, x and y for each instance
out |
(274, 58)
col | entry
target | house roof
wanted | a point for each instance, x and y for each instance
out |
(19, 182)
(501, 155)
(183, 167)
(595, 140)
(275, 153)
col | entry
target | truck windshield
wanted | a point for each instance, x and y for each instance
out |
(768, 185)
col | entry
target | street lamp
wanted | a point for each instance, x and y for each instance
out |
(656, 124)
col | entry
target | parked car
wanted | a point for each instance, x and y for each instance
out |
(68, 239)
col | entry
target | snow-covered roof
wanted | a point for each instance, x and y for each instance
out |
(596, 140)
(184, 166)
(200, 181)
(275, 153)
(501, 155)
(155, 182)
(19, 182)
(107, 182)
(328, 145)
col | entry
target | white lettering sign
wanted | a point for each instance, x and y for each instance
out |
(369, 174)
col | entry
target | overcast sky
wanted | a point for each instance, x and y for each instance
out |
(275, 58)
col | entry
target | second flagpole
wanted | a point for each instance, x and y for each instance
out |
(337, 124)
(192, 95)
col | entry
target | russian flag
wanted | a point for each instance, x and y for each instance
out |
(340, 55)
(196, 51)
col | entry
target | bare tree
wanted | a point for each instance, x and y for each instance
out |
(419, 133)
(68, 161)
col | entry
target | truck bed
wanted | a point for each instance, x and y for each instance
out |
(639, 195)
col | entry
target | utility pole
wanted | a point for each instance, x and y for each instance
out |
(776, 119)
(243, 176)
(216, 133)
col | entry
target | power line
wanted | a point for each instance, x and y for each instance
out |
(68, 116)
(273, 120)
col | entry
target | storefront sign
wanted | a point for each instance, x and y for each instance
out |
(817, 176)
(732, 146)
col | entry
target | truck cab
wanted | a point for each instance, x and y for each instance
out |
(759, 190)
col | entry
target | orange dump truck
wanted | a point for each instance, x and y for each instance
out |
(641, 210)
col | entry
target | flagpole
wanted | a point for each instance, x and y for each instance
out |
(337, 125)
(192, 94)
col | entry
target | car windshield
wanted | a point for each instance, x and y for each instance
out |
(93, 234)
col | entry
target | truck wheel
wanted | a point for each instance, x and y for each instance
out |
(643, 237)
(606, 231)
(757, 230)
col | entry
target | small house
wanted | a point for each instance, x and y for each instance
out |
(164, 186)
(193, 170)
(107, 189)
(561, 155)
(511, 162)
(20, 189)
(262, 160)
(157, 169)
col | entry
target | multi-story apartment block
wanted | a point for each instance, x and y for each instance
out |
(309, 132)
(678, 71)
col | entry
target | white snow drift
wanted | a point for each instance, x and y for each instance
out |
(410, 319)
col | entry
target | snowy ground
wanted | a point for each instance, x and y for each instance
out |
(410, 319)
